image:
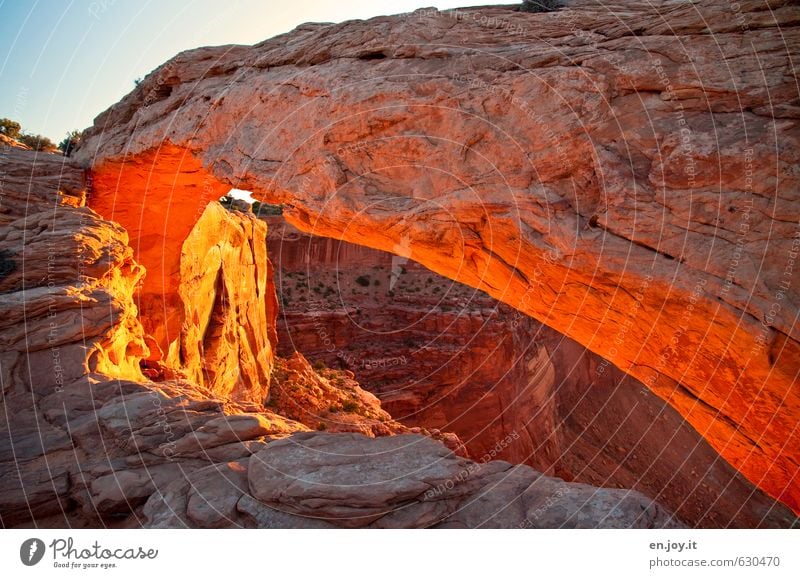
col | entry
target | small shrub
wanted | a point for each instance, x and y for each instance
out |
(349, 406)
(37, 142)
(10, 128)
(319, 365)
(321, 426)
(363, 280)
(333, 409)
(261, 209)
(70, 143)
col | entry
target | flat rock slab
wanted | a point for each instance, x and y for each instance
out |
(349, 477)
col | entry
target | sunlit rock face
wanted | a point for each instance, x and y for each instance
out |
(442, 355)
(158, 198)
(67, 279)
(227, 319)
(596, 169)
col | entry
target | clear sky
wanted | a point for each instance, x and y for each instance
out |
(64, 62)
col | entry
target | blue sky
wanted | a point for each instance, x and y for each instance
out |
(64, 62)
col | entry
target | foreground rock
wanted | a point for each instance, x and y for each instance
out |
(67, 278)
(85, 439)
(332, 400)
(595, 168)
(407, 481)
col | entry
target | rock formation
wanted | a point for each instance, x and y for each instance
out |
(446, 356)
(66, 277)
(343, 480)
(625, 175)
(80, 445)
(227, 317)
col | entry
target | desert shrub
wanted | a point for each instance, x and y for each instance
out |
(261, 209)
(37, 142)
(319, 365)
(349, 406)
(321, 426)
(363, 280)
(10, 128)
(540, 5)
(70, 143)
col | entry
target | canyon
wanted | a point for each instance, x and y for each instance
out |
(572, 171)
(443, 355)
(557, 271)
(98, 433)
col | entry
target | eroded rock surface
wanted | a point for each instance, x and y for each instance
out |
(597, 168)
(226, 305)
(67, 278)
(406, 481)
(443, 355)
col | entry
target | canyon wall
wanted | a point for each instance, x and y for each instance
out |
(443, 355)
(596, 168)
(67, 278)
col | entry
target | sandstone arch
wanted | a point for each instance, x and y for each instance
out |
(629, 179)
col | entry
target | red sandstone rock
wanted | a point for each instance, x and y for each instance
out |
(228, 306)
(442, 355)
(601, 172)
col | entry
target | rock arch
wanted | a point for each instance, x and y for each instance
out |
(623, 188)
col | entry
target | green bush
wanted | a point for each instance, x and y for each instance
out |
(349, 406)
(37, 142)
(70, 143)
(9, 128)
(260, 209)
(363, 280)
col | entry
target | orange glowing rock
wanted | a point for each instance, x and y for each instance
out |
(545, 169)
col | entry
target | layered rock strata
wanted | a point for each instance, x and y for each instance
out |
(596, 168)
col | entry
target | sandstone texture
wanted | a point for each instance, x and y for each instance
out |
(624, 173)
(85, 437)
(227, 306)
(347, 480)
(67, 278)
(442, 355)
(332, 400)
